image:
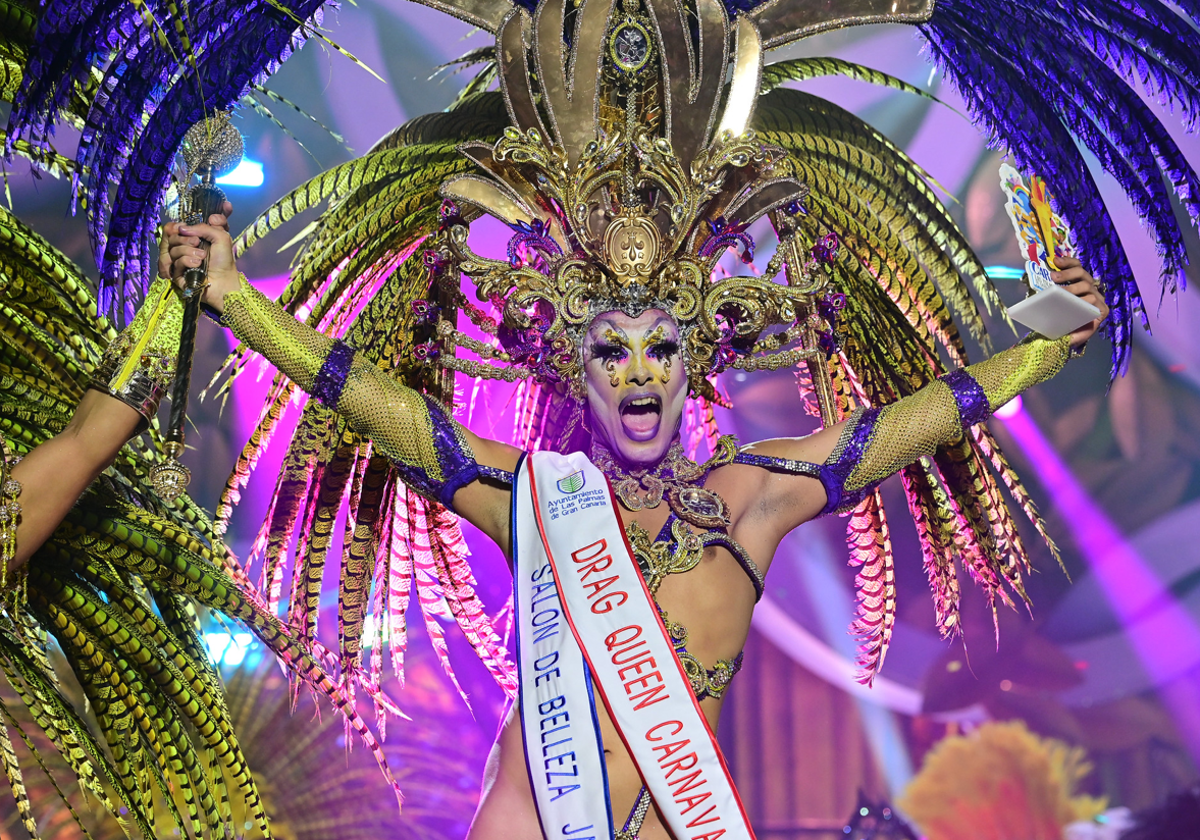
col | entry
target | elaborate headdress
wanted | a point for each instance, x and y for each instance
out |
(629, 172)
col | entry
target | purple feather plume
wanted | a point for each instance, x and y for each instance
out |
(147, 96)
(1038, 75)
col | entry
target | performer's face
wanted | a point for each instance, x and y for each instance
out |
(636, 385)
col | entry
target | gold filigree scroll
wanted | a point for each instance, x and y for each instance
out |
(631, 247)
(634, 167)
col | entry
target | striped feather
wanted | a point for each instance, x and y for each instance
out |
(875, 584)
(937, 531)
(779, 73)
(16, 782)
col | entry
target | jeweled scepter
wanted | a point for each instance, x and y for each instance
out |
(211, 148)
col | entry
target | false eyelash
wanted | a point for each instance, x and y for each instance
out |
(607, 352)
(663, 350)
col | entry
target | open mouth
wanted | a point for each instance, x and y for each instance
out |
(640, 415)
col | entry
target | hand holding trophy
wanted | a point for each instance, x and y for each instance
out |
(1045, 239)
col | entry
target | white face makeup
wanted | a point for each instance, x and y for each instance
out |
(636, 385)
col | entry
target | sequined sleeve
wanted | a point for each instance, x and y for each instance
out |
(414, 431)
(877, 442)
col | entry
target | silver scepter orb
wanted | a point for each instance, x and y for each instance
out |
(170, 478)
(211, 148)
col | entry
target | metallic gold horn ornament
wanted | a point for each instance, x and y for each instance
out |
(628, 172)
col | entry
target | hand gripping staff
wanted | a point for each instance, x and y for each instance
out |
(211, 148)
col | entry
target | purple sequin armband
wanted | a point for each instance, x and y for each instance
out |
(973, 405)
(327, 387)
(835, 472)
(456, 462)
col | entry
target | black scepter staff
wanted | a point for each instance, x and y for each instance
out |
(211, 148)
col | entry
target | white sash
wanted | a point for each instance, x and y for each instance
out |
(624, 645)
(563, 751)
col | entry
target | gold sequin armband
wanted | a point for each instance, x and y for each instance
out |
(139, 365)
(264, 326)
(877, 442)
(427, 446)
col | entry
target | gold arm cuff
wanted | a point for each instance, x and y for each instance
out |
(1008, 373)
(139, 365)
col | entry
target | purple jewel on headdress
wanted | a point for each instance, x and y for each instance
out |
(829, 306)
(828, 343)
(426, 351)
(527, 345)
(826, 249)
(726, 355)
(725, 235)
(435, 262)
(425, 312)
(531, 245)
(795, 208)
(449, 215)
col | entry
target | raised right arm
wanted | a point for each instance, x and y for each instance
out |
(436, 456)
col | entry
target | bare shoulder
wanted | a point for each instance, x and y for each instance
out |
(485, 503)
(814, 448)
(493, 453)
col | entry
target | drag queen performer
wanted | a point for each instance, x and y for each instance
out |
(721, 521)
(606, 292)
(631, 145)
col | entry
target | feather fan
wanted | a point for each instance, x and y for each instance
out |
(1038, 76)
(357, 274)
(117, 586)
(134, 77)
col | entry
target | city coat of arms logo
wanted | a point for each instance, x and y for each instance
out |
(572, 483)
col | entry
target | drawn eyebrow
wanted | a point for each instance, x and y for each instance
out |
(661, 319)
(611, 324)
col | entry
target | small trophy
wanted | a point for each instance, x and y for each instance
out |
(1043, 235)
(211, 148)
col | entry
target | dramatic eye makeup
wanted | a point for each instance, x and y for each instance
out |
(660, 344)
(606, 352)
(611, 347)
(663, 349)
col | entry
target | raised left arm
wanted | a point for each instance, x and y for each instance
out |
(126, 387)
(833, 469)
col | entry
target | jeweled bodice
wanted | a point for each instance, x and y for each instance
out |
(677, 550)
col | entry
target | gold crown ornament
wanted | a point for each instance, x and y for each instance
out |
(628, 174)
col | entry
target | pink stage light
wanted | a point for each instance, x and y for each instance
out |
(1010, 409)
(1131, 588)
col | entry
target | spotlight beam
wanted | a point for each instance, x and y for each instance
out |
(1127, 582)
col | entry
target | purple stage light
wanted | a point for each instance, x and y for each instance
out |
(1131, 588)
